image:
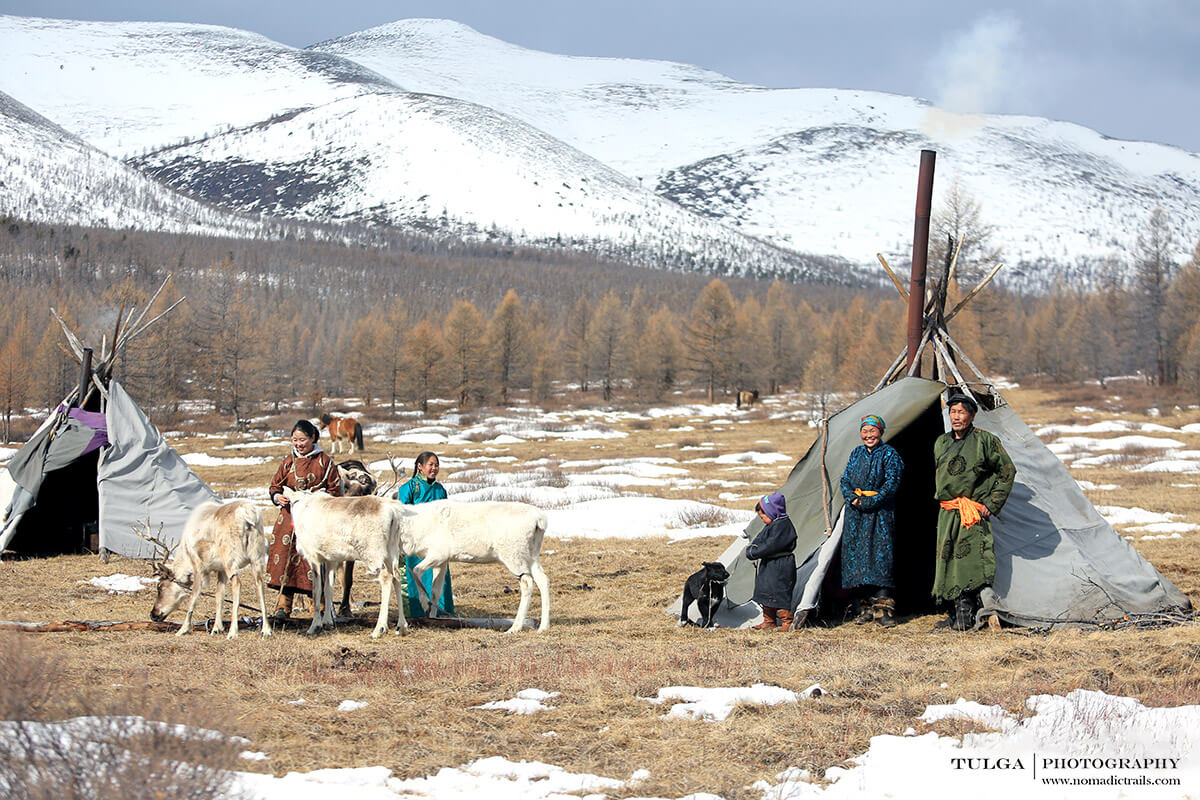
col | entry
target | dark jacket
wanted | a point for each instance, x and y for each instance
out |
(776, 576)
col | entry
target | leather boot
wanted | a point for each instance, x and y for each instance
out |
(964, 614)
(865, 612)
(785, 620)
(768, 622)
(885, 611)
(283, 609)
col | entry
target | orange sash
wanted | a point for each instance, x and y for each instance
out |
(865, 493)
(968, 510)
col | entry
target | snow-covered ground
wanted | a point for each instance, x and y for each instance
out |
(1085, 744)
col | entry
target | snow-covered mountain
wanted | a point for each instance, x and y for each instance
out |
(823, 170)
(437, 163)
(126, 87)
(428, 123)
(49, 175)
(259, 127)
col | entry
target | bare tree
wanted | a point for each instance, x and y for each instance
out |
(1154, 269)
(710, 336)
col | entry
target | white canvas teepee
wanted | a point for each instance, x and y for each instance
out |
(98, 467)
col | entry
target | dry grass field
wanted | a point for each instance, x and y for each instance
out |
(610, 643)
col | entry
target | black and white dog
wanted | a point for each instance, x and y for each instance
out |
(705, 587)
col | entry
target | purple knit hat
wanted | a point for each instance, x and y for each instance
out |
(773, 505)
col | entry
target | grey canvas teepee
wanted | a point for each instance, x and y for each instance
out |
(96, 468)
(1057, 560)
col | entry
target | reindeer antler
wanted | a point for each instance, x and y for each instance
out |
(161, 548)
(389, 487)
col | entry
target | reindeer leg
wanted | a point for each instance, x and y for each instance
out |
(439, 578)
(186, 627)
(385, 601)
(543, 585)
(344, 609)
(260, 581)
(418, 569)
(235, 585)
(523, 608)
(328, 612)
(218, 624)
(318, 583)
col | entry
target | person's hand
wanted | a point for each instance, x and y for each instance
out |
(985, 512)
(282, 500)
(855, 502)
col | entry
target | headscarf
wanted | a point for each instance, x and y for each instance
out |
(773, 505)
(873, 419)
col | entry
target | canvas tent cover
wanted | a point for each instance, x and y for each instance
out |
(139, 476)
(1057, 560)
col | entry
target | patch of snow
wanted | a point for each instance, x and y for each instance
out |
(1118, 515)
(205, 460)
(352, 705)
(527, 701)
(716, 704)
(120, 584)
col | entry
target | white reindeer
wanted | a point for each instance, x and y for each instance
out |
(478, 533)
(218, 541)
(333, 530)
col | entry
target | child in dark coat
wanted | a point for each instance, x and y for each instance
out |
(776, 577)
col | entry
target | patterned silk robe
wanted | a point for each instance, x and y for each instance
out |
(285, 567)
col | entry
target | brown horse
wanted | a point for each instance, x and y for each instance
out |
(343, 429)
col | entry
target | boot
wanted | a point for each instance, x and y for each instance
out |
(283, 609)
(785, 620)
(885, 610)
(768, 622)
(964, 614)
(865, 612)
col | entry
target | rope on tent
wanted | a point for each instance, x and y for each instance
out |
(825, 477)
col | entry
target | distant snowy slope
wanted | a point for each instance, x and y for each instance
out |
(49, 175)
(435, 162)
(822, 170)
(130, 86)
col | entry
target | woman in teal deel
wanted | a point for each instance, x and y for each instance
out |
(423, 488)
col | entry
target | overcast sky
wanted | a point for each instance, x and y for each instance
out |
(1128, 68)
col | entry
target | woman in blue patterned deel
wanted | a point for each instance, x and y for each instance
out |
(869, 487)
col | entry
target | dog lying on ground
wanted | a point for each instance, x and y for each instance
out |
(706, 588)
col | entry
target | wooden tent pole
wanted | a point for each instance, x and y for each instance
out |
(974, 292)
(891, 370)
(896, 281)
(950, 341)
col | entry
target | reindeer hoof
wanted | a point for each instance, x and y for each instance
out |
(232, 634)
(402, 631)
(184, 630)
(266, 631)
(313, 631)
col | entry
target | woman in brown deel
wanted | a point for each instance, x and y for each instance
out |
(306, 468)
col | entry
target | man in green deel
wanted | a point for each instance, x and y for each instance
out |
(973, 477)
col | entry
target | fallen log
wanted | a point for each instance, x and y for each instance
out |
(244, 622)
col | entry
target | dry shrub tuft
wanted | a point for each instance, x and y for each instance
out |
(61, 742)
(708, 516)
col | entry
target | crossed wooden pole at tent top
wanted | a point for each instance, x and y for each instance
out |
(125, 330)
(946, 352)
